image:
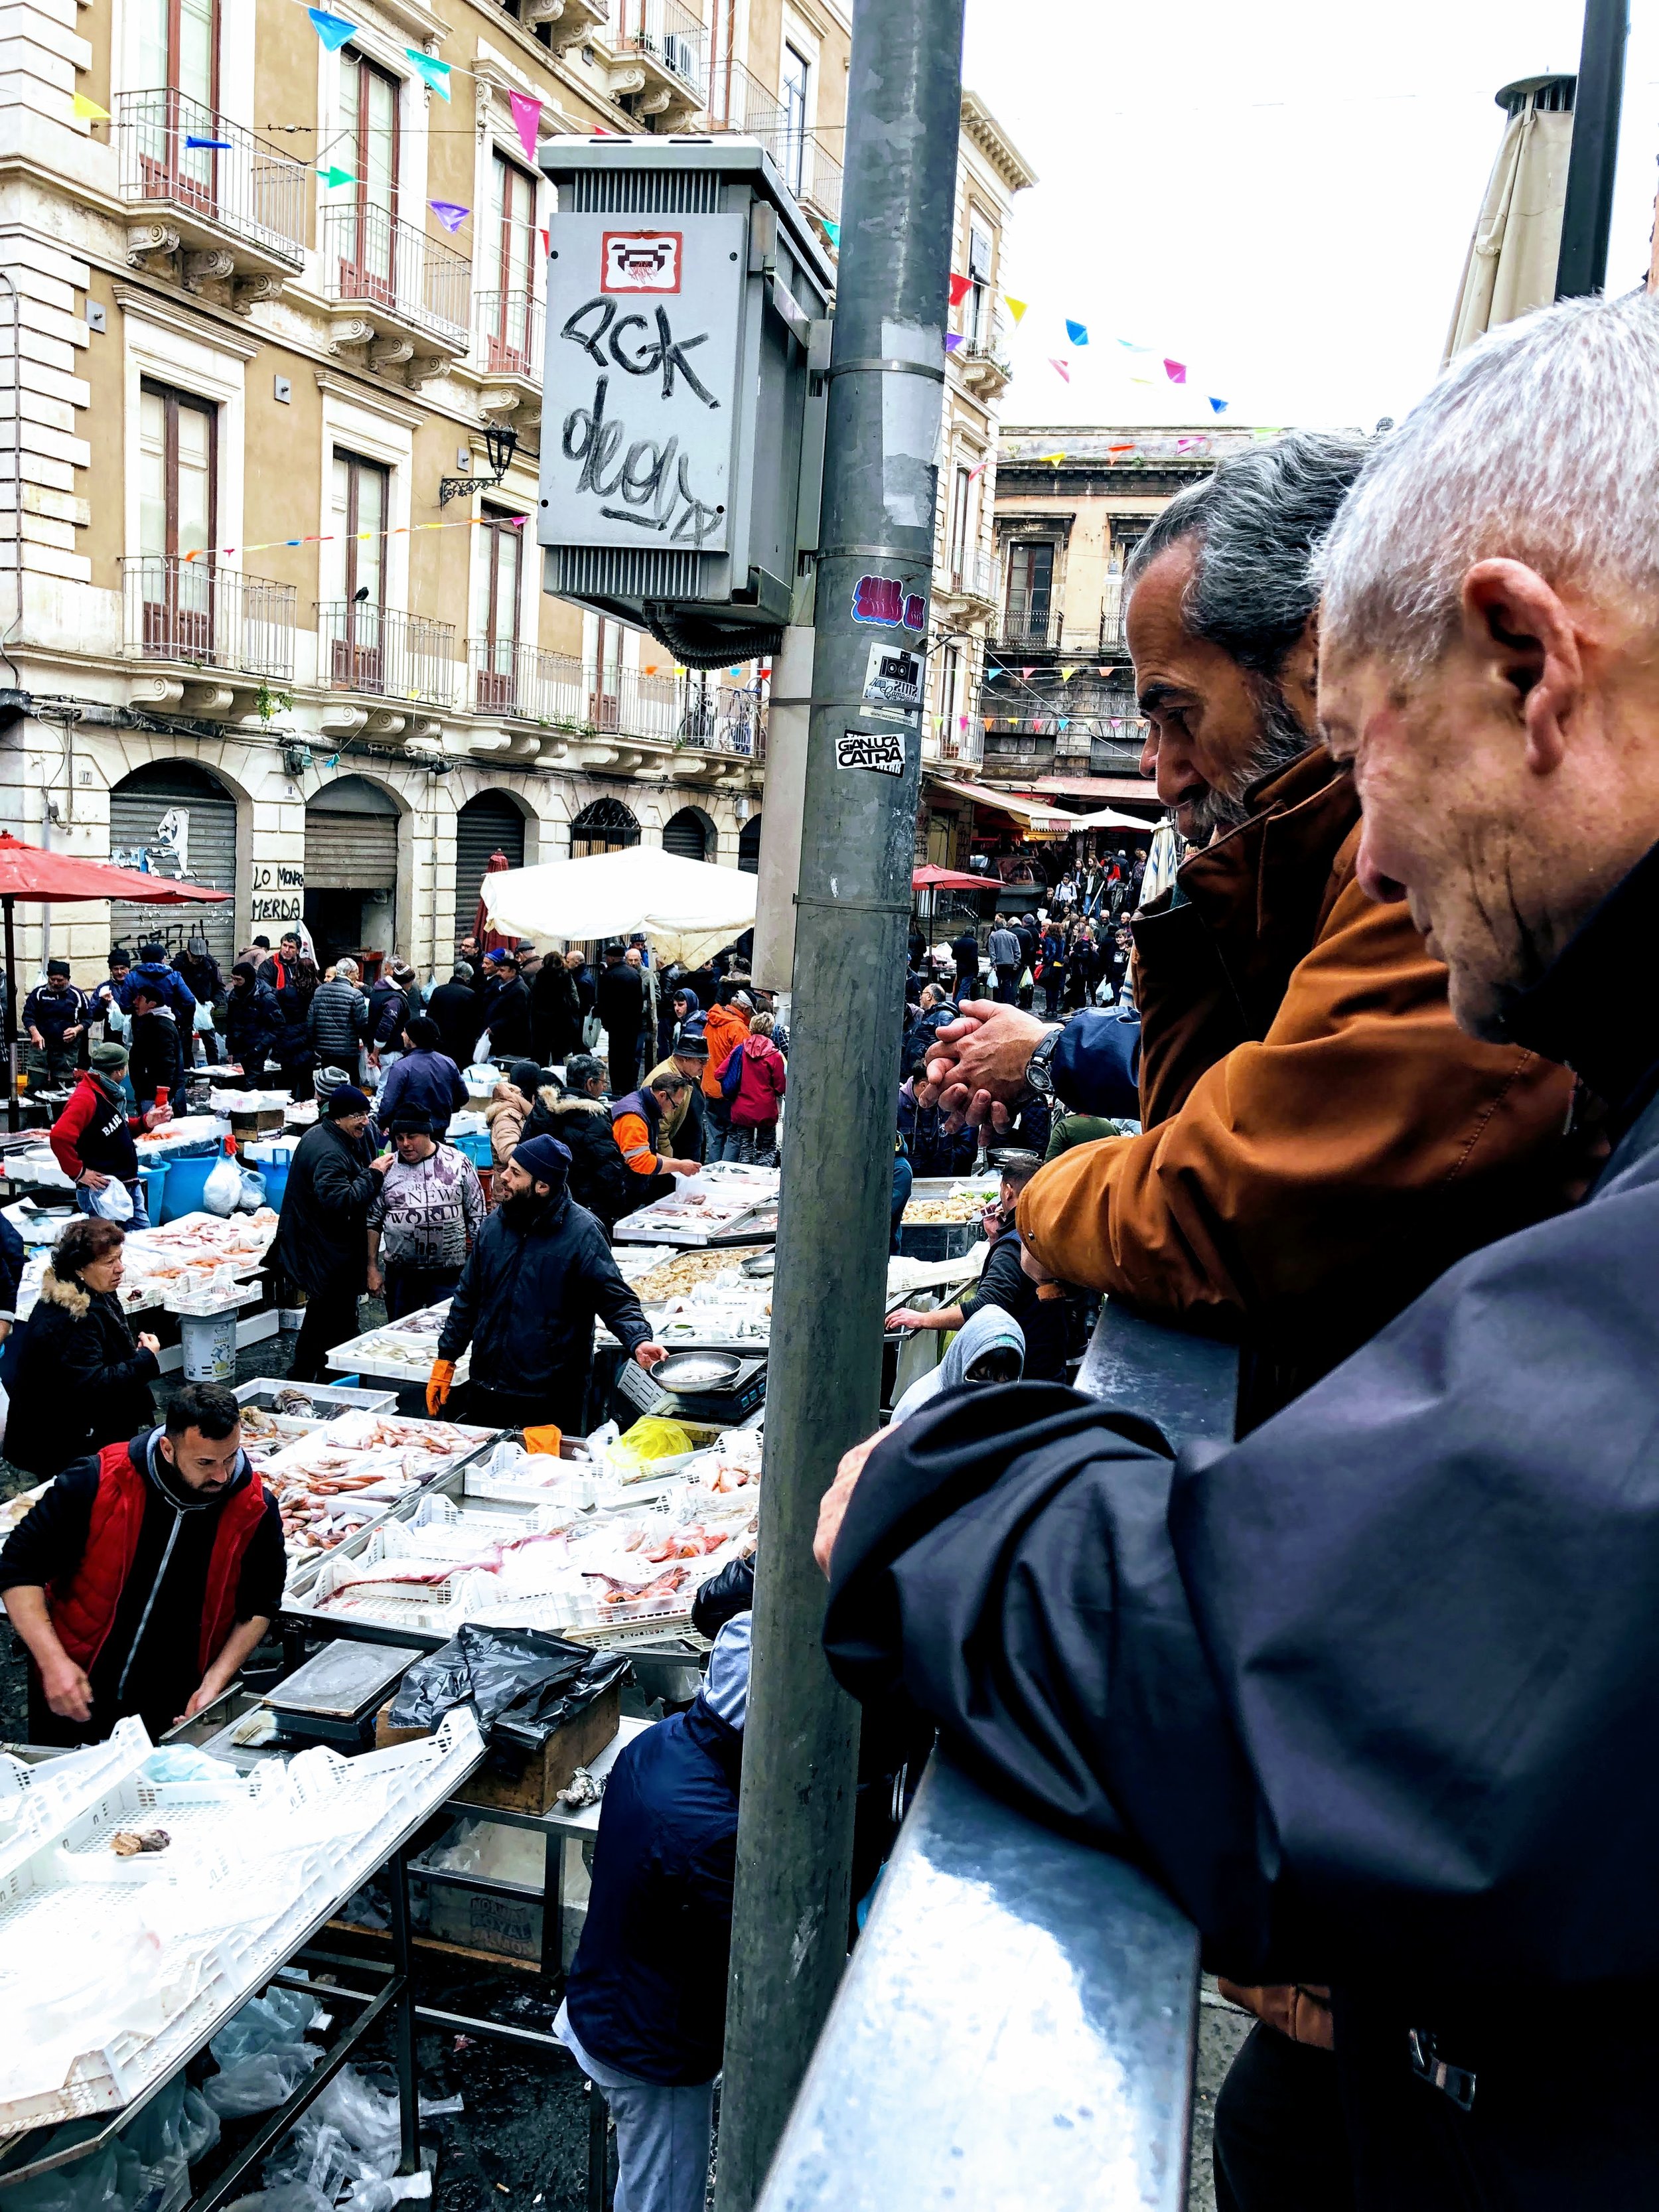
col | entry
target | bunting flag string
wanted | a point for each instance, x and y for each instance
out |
(450, 212)
(1061, 368)
(87, 111)
(329, 537)
(1016, 307)
(434, 73)
(960, 288)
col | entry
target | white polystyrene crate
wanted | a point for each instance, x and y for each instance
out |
(57, 1793)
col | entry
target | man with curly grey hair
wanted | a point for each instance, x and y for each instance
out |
(1372, 1692)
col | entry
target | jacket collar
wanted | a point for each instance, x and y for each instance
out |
(145, 1453)
(722, 1742)
(1592, 1009)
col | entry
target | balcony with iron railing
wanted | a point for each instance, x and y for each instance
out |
(1034, 626)
(384, 654)
(557, 691)
(508, 328)
(199, 616)
(971, 576)
(1021, 2012)
(662, 51)
(737, 102)
(396, 289)
(235, 207)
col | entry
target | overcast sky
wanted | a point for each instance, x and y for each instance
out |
(1279, 195)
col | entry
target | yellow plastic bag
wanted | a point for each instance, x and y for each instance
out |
(650, 1439)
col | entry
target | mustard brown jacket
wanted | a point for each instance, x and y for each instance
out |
(1319, 1140)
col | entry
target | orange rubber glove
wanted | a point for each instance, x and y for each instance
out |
(439, 1385)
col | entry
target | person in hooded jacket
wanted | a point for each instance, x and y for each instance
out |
(538, 1275)
(146, 1574)
(388, 1011)
(166, 981)
(644, 2012)
(322, 1236)
(424, 1080)
(579, 1115)
(82, 1378)
(510, 1105)
(254, 1027)
(761, 1086)
(155, 1061)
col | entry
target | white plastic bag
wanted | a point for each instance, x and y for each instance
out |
(254, 1191)
(260, 2082)
(222, 1191)
(113, 1202)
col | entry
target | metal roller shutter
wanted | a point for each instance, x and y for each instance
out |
(685, 835)
(351, 852)
(749, 845)
(137, 806)
(486, 824)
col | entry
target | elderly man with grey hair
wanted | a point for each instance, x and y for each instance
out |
(1373, 1692)
(1319, 1140)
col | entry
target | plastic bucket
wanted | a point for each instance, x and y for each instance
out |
(186, 1182)
(273, 1163)
(473, 1145)
(208, 1341)
(154, 1179)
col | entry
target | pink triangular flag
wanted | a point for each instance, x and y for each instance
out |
(1176, 371)
(527, 114)
(1060, 368)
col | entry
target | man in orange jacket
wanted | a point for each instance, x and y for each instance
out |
(725, 1026)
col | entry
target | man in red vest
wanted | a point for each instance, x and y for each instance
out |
(145, 1575)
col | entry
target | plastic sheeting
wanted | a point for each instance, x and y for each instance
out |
(690, 909)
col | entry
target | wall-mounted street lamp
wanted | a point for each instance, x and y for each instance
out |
(500, 443)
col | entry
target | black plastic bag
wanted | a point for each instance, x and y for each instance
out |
(521, 1683)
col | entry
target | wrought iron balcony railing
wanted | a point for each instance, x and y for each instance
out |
(386, 652)
(1032, 629)
(173, 152)
(559, 692)
(507, 333)
(372, 259)
(668, 33)
(192, 612)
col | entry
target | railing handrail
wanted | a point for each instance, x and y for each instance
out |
(384, 652)
(240, 184)
(423, 282)
(529, 683)
(202, 615)
(1017, 2020)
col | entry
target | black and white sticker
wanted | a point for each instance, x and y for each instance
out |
(883, 751)
(893, 678)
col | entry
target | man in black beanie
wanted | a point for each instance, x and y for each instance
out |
(538, 1274)
(322, 1242)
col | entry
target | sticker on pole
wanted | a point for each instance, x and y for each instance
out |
(882, 750)
(884, 599)
(892, 679)
(639, 261)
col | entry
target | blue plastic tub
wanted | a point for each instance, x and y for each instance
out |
(153, 1179)
(474, 1145)
(186, 1180)
(273, 1164)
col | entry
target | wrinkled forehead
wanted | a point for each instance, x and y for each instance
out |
(1359, 690)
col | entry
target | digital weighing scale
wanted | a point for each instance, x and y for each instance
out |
(714, 1388)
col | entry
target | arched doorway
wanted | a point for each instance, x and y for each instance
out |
(749, 839)
(174, 819)
(488, 823)
(351, 870)
(607, 826)
(689, 834)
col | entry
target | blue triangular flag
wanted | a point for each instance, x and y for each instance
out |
(211, 145)
(333, 30)
(1220, 406)
(1078, 333)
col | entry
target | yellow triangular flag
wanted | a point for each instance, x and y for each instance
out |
(1054, 460)
(1016, 307)
(88, 111)
(1066, 674)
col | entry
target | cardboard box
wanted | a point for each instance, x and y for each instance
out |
(507, 1927)
(541, 1775)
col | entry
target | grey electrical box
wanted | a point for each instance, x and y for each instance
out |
(687, 336)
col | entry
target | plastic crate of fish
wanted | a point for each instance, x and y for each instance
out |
(105, 1997)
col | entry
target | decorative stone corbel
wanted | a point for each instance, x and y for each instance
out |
(382, 722)
(391, 352)
(209, 699)
(154, 691)
(214, 267)
(251, 292)
(342, 721)
(349, 331)
(148, 244)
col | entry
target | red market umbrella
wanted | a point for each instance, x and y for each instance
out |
(492, 940)
(931, 879)
(39, 878)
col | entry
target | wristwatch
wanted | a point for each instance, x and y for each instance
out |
(1037, 1076)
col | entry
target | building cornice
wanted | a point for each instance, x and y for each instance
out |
(371, 399)
(169, 314)
(993, 142)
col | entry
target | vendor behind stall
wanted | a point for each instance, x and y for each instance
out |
(156, 1064)
(639, 1124)
(55, 1017)
(92, 1139)
(322, 1236)
(1043, 1308)
(539, 1274)
(644, 2012)
(145, 1575)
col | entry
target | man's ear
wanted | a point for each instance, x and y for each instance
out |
(1521, 636)
(164, 1444)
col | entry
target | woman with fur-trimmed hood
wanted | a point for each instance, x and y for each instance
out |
(82, 1378)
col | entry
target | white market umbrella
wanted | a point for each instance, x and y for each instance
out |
(688, 909)
(1109, 819)
(1512, 257)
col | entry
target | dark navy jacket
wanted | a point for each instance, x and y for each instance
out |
(422, 1083)
(931, 1149)
(1096, 1065)
(646, 1988)
(171, 987)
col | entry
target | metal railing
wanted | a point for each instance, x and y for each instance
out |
(1031, 628)
(1112, 636)
(666, 30)
(1021, 2011)
(208, 616)
(372, 258)
(173, 151)
(975, 576)
(382, 651)
(738, 102)
(507, 333)
(559, 692)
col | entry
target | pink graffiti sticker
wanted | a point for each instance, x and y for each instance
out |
(884, 599)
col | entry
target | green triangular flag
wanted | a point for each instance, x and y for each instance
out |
(435, 73)
(336, 176)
